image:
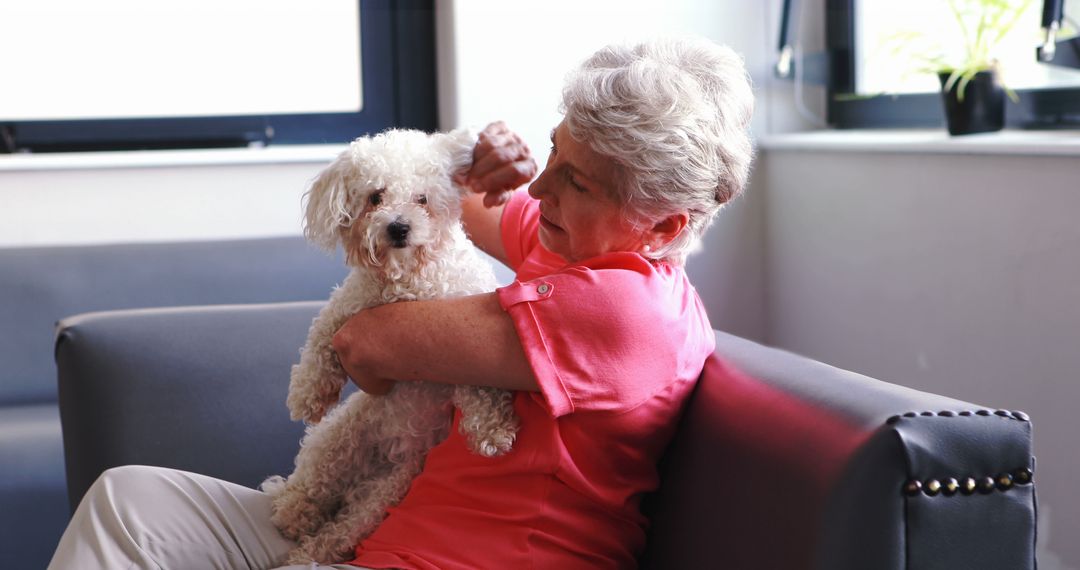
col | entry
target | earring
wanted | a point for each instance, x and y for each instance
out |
(646, 248)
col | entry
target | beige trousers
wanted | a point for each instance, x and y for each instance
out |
(163, 519)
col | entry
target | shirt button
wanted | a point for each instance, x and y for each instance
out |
(543, 288)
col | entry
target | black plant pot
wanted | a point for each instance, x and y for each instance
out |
(983, 107)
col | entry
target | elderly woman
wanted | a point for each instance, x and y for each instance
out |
(601, 335)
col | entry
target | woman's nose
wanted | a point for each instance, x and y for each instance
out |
(539, 187)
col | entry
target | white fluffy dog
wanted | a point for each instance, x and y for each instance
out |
(389, 200)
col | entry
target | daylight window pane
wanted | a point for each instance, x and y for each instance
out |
(897, 43)
(150, 58)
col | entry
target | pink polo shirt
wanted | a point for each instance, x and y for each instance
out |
(616, 343)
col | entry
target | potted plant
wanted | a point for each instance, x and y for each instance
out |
(970, 77)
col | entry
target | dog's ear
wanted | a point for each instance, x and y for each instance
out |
(327, 200)
(457, 145)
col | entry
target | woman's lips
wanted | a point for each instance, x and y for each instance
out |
(548, 223)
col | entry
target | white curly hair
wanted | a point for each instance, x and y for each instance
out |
(673, 114)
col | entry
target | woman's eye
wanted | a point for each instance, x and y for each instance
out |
(575, 185)
(422, 200)
(375, 199)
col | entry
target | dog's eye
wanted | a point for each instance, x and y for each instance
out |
(376, 198)
(422, 200)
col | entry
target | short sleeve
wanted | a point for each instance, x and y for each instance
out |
(607, 339)
(518, 227)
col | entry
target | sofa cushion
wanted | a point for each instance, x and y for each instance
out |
(131, 380)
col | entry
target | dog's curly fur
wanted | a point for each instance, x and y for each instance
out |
(390, 201)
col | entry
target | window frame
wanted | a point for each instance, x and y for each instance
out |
(397, 46)
(1037, 109)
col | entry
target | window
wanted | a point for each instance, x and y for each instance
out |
(870, 42)
(128, 74)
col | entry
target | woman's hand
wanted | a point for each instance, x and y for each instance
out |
(344, 342)
(502, 162)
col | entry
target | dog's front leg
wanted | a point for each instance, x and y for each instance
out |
(315, 384)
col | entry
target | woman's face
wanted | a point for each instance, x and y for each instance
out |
(578, 218)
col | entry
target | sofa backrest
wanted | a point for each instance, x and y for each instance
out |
(41, 285)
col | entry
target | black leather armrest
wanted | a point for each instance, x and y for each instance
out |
(201, 389)
(784, 462)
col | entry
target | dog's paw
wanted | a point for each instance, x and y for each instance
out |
(300, 556)
(273, 485)
(487, 419)
(295, 525)
(492, 445)
(294, 514)
(303, 409)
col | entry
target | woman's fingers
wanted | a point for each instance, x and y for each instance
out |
(497, 127)
(504, 178)
(493, 199)
(493, 151)
(501, 161)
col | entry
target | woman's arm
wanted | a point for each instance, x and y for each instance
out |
(465, 340)
(501, 163)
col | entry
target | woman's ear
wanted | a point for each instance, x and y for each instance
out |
(327, 203)
(666, 230)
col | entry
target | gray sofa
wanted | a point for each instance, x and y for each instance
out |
(780, 462)
(40, 285)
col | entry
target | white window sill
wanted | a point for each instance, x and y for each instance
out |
(282, 154)
(1007, 142)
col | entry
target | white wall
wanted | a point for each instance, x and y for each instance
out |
(510, 58)
(952, 273)
(51, 200)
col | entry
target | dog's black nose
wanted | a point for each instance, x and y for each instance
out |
(398, 232)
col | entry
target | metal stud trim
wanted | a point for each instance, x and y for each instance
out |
(1011, 415)
(968, 485)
